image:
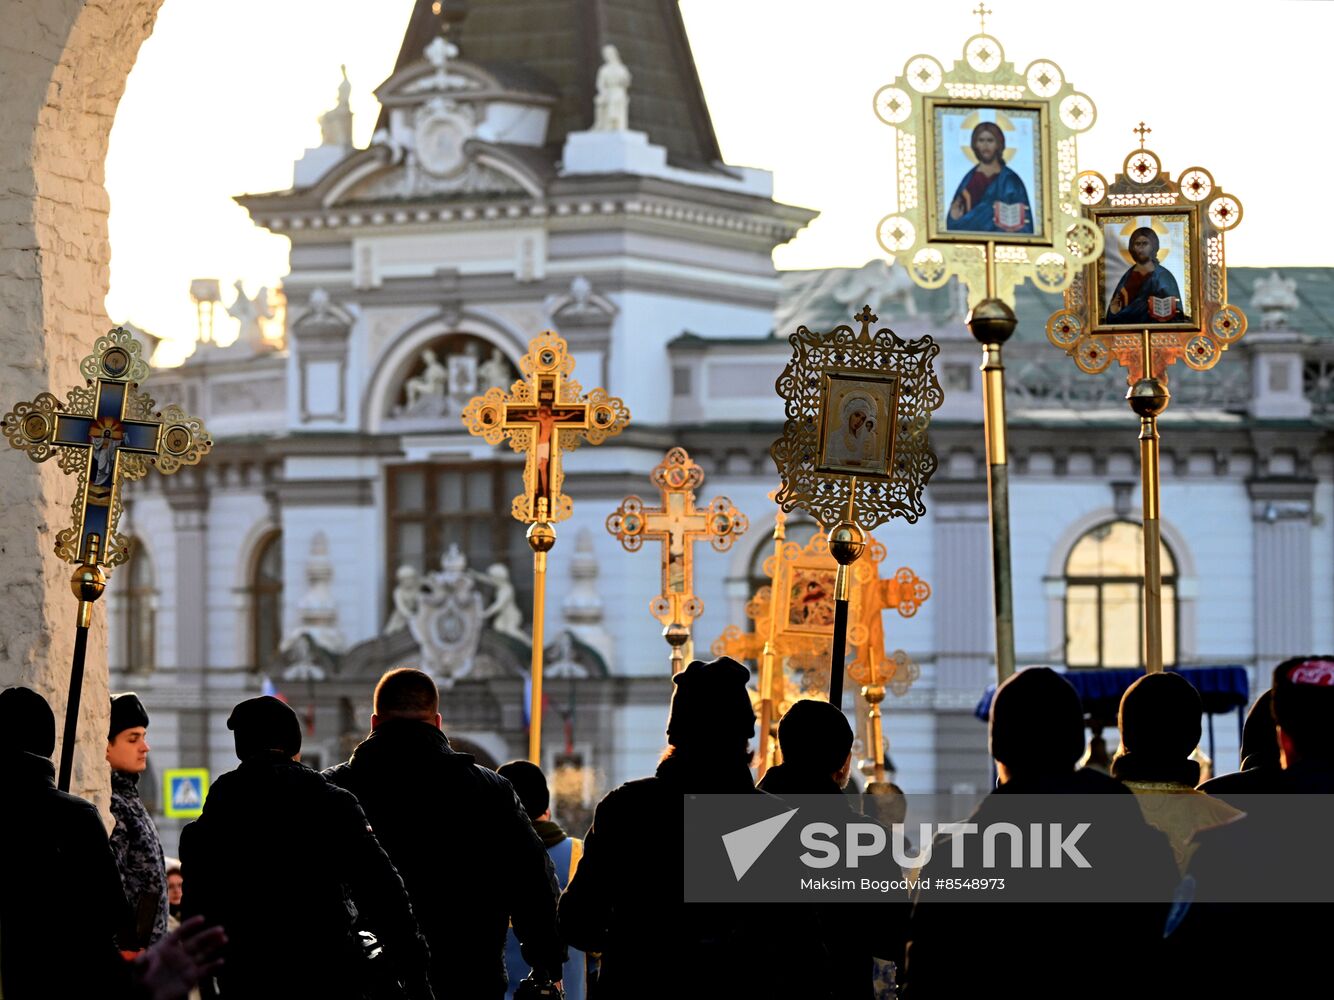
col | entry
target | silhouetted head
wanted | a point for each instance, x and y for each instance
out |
(530, 784)
(1037, 723)
(27, 724)
(264, 724)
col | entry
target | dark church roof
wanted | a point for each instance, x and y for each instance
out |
(562, 40)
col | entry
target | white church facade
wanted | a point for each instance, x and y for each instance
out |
(579, 188)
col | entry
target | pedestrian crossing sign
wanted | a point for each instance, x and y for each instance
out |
(184, 791)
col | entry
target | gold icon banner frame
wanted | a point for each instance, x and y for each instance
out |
(894, 491)
(1145, 189)
(982, 79)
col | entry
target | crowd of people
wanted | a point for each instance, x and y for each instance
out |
(411, 871)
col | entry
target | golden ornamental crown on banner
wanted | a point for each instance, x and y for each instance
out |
(986, 155)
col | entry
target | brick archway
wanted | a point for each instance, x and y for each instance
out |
(63, 66)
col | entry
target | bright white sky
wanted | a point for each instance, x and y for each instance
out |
(225, 96)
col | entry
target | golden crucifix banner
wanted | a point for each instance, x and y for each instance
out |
(106, 432)
(986, 159)
(544, 414)
(678, 524)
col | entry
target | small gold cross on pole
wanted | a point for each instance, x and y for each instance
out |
(1142, 132)
(544, 414)
(982, 15)
(677, 524)
(106, 432)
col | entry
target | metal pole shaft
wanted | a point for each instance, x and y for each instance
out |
(1153, 573)
(877, 741)
(992, 323)
(838, 653)
(1148, 398)
(998, 495)
(68, 741)
(769, 658)
(539, 614)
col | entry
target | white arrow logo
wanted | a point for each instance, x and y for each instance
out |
(745, 846)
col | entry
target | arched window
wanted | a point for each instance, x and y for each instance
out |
(1104, 599)
(266, 604)
(138, 615)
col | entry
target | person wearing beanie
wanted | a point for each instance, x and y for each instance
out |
(274, 822)
(460, 838)
(61, 902)
(625, 899)
(816, 740)
(1261, 772)
(1037, 738)
(134, 838)
(530, 784)
(1159, 719)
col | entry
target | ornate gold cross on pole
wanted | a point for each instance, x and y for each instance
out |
(677, 524)
(544, 414)
(104, 433)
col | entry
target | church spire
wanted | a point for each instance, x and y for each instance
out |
(562, 41)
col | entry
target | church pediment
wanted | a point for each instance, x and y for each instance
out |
(446, 162)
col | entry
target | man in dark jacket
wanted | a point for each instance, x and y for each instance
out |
(1260, 771)
(460, 838)
(275, 828)
(1263, 891)
(60, 893)
(626, 897)
(1041, 949)
(134, 839)
(816, 741)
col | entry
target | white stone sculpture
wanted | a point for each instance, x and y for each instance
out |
(582, 606)
(407, 599)
(448, 621)
(336, 123)
(503, 611)
(1275, 297)
(433, 381)
(611, 107)
(249, 312)
(494, 371)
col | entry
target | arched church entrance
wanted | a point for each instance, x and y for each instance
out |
(65, 74)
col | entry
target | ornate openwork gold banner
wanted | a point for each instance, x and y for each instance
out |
(986, 155)
(1162, 270)
(858, 407)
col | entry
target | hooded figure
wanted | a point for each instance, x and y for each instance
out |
(625, 899)
(1159, 720)
(134, 839)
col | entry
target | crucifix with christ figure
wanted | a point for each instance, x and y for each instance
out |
(544, 414)
(106, 432)
(677, 524)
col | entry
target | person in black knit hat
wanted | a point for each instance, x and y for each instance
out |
(134, 839)
(275, 822)
(625, 899)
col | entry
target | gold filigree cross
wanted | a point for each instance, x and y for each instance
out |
(105, 433)
(678, 524)
(1143, 132)
(544, 414)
